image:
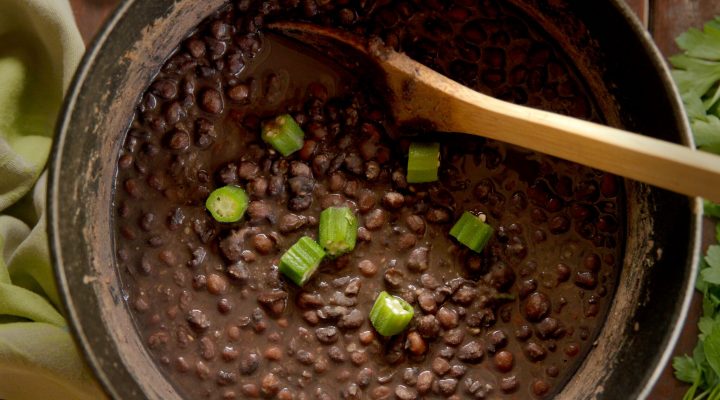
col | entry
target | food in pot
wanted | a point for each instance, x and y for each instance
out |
(278, 236)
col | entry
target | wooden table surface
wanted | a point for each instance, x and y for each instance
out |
(666, 19)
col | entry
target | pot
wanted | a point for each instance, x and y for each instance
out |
(613, 54)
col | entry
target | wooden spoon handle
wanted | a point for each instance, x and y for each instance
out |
(455, 108)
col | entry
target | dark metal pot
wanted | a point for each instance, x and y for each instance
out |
(611, 50)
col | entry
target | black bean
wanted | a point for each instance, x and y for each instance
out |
(274, 301)
(428, 326)
(419, 259)
(407, 241)
(457, 371)
(447, 386)
(440, 366)
(165, 89)
(258, 210)
(437, 215)
(195, 47)
(447, 318)
(270, 384)
(465, 295)
(300, 203)
(353, 163)
(393, 277)
(426, 300)
(471, 352)
(238, 272)
(424, 382)
(416, 224)
(526, 287)
(225, 378)
(592, 262)
(211, 101)
(503, 361)
(336, 354)
(216, 284)
(198, 320)
(353, 287)
(586, 280)
(228, 174)
(353, 320)
(559, 224)
(404, 393)
(534, 352)
(540, 387)
(563, 272)
(290, 223)
(501, 276)
(263, 244)
(498, 339)
(342, 300)
(429, 282)
(549, 328)
(198, 257)
(372, 170)
(364, 377)
(174, 113)
(537, 306)
(301, 185)
(366, 200)
(248, 170)
(417, 346)
(393, 200)
(367, 268)
(375, 219)
(399, 180)
(276, 185)
(332, 313)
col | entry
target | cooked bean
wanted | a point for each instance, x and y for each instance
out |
(375, 219)
(537, 306)
(534, 352)
(415, 343)
(447, 318)
(419, 259)
(367, 268)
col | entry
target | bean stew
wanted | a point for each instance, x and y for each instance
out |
(511, 322)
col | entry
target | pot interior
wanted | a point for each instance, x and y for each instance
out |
(611, 54)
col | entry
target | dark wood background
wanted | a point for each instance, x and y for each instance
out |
(665, 19)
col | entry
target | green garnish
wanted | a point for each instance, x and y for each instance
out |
(423, 162)
(390, 314)
(301, 260)
(471, 231)
(338, 230)
(697, 75)
(283, 134)
(227, 204)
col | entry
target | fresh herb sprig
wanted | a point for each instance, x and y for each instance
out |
(697, 75)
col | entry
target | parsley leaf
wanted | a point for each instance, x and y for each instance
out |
(702, 44)
(711, 274)
(685, 369)
(697, 75)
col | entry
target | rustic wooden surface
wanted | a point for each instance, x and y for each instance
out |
(665, 19)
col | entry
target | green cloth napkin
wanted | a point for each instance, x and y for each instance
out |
(39, 49)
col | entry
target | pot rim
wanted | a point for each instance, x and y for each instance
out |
(657, 59)
(97, 45)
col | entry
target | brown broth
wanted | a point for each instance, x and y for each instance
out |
(207, 297)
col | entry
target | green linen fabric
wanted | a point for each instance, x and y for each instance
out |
(40, 47)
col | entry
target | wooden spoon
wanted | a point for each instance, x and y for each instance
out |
(423, 94)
